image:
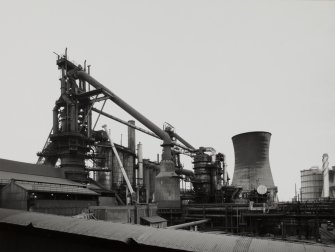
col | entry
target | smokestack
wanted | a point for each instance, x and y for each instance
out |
(325, 173)
(252, 166)
(131, 137)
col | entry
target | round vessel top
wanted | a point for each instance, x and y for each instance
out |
(252, 133)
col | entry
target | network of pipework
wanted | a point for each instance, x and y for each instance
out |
(74, 139)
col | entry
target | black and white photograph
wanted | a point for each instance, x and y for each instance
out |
(165, 125)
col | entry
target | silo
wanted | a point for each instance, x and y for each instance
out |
(104, 178)
(311, 184)
(252, 166)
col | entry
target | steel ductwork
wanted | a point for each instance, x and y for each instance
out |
(167, 142)
(252, 166)
(167, 192)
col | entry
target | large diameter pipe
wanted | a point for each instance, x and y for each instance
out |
(167, 142)
(185, 172)
(131, 136)
(100, 112)
(189, 224)
(55, 120)
(119, 161)
(183, 141)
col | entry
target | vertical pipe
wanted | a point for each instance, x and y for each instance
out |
(131, 136)
(225, 174)
(325, 171)
(72, 120)
(138, 195)
(147, 183)
(213, 180)
(89, 124)
(84, 82)
(136, 178)
(109, 155)
(55, 120)
(128, 201)
(140, 163)
(89, 73)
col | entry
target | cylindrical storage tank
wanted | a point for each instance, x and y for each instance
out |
(104, 178)
(128, 164)
(117, 178)
(252, 166)
(311, 184)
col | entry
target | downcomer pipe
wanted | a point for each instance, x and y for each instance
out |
(183, 141)
(167, 142)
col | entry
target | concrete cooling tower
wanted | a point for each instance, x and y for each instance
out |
(252, 166)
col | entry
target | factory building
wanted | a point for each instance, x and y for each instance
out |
(81, 169)
(44, 189)
(37, 196)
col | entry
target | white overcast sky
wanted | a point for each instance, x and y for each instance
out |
(212, 69)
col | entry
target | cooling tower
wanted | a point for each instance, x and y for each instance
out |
(252, 166)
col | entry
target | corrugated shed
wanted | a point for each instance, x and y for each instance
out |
(188, 241)
(5, 178)
(32, 169)
(54, 188)
(242, 244)
(99, 229)
(173, 239)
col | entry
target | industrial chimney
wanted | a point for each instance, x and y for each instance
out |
(252, 166)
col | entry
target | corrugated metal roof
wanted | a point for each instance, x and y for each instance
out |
(54, 188)
(32, 169)
(154, 219)
(173, 239)
(5, 177)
